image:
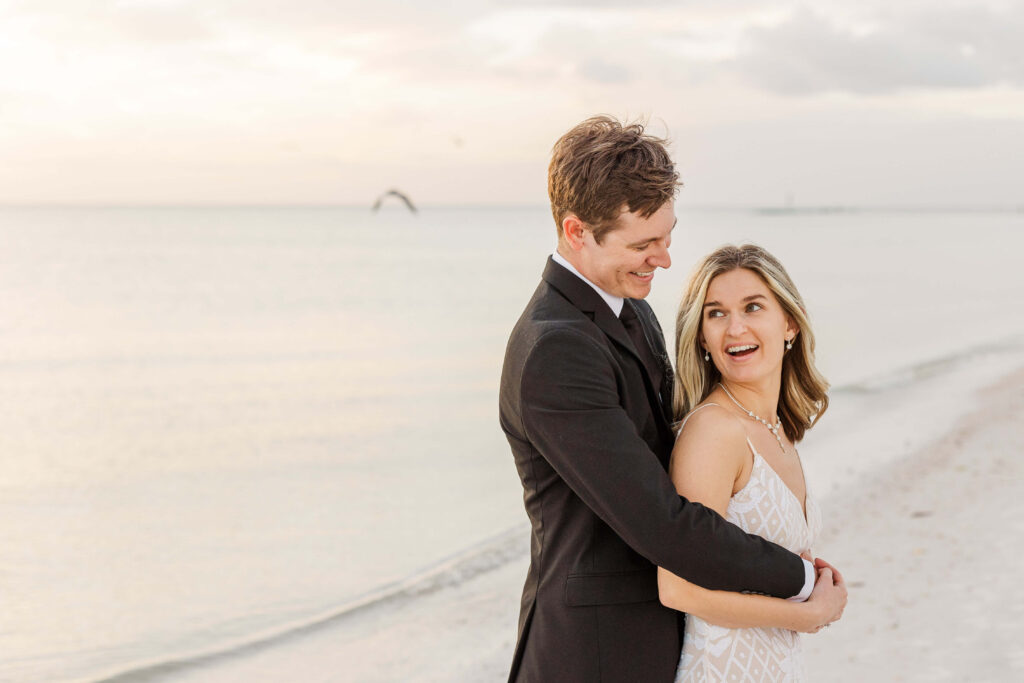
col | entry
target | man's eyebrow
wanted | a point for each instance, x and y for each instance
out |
(653, 239)
(749, 298)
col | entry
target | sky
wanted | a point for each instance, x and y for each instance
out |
(876, 103)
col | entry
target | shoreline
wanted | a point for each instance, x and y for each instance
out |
(908, 536)
(220, 433)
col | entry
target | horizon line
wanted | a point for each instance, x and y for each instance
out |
(764, 208)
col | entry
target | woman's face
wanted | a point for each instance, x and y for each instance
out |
(744, 327)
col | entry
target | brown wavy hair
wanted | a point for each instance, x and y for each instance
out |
(803, 396)
(601, 166)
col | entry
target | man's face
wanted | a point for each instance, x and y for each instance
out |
(625, 261)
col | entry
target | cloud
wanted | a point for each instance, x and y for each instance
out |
(959, 47)
(601, 71)
(292, 82)
(105, 21)
(590, 4)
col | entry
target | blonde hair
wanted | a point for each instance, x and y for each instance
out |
(802, 394)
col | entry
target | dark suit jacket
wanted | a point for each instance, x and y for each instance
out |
(591, 438)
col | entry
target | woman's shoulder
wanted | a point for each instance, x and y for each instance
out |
(709, 431)
(712, 416)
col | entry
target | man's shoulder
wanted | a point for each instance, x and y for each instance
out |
(547, 336)
(551, 336)
(550, 313)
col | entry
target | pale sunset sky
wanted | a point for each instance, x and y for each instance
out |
(876, 102)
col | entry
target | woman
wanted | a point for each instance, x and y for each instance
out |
(746, 391)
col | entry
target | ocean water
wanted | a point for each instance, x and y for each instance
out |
(218, 424)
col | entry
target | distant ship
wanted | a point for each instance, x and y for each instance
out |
(394, 193)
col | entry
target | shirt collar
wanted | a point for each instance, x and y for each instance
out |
(614, 302)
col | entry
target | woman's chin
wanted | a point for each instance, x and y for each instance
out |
(743, 374)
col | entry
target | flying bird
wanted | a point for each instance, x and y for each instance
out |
(394, 193)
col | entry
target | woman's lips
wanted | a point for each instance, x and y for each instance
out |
(740, 350)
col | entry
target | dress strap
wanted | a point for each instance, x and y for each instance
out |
(753, 454)
(683, 423)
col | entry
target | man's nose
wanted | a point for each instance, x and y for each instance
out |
(660, 257)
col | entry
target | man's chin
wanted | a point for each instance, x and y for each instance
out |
(639, 290)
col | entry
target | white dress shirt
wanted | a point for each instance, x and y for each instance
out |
(614, 302)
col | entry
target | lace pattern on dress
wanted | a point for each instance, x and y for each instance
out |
(767, 507)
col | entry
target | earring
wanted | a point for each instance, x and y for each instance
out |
(707, 355)
(789, 344)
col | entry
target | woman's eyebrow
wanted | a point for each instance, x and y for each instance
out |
(749, 298)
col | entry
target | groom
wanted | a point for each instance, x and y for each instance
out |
(586, 394)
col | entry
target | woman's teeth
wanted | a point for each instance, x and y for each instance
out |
(736, 350)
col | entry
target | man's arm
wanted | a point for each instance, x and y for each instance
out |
(710, 458)
(738, 610)
(571, 410)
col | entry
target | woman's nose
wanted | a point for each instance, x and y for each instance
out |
(737, 326)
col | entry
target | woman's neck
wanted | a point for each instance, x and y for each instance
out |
(759, 398)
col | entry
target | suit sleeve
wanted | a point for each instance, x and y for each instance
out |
(572, 413)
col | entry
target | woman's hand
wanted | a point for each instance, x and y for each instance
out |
(827, 601)
(820, 564)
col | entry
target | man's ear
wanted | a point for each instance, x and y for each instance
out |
(573, 231)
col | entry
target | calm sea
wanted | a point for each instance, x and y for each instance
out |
(215, 422)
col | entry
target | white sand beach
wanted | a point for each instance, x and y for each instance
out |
(929, 544)
(931, 550)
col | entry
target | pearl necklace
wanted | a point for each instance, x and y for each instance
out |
(773, 428)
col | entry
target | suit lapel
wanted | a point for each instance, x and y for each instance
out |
(658, 351)
(583, 296)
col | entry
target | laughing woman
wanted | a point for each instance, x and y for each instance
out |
(746, 391)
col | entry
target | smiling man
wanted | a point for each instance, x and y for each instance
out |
(585, 403)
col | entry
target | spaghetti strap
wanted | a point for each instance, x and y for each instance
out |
(754, 455)
(683, 423)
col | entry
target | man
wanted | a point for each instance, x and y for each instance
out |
(585, 400)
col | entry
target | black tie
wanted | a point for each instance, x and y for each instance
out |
(636, 332)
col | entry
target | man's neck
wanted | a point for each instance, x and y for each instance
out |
(614, 302)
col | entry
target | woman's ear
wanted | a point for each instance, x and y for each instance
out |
(792, 329)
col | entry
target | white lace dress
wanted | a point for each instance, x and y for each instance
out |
(768, 508)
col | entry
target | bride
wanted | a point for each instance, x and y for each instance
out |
(746, 391)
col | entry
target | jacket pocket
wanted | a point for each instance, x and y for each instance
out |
(612, 588)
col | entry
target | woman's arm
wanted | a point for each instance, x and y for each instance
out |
(709, 460)
(739, 610)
